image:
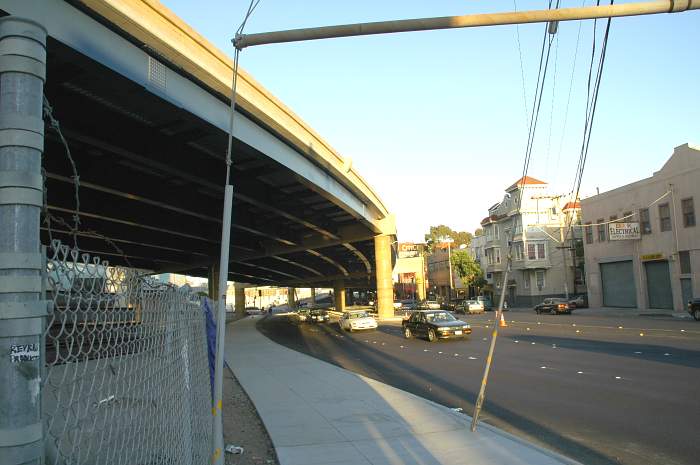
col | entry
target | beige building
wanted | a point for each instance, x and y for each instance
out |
(543, 264)
(444, 281)
(409, 275)
(653, 261)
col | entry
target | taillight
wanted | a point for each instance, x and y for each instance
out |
(562, 305)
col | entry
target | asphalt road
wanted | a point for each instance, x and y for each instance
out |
(601, 390)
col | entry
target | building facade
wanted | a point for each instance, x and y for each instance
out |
(409, 274)
(657, 265)
(444, 281)
(544, 262)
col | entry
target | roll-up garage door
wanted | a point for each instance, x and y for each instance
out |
(659, 285)
(618, 284)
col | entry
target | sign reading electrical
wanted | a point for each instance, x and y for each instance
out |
(623, 231)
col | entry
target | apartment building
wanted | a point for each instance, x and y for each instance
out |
(642, 244)
(543, 263)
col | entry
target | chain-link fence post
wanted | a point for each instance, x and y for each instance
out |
(22, 312)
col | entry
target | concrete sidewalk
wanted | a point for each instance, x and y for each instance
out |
(318, 413)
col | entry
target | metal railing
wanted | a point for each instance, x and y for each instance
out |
(127, 380)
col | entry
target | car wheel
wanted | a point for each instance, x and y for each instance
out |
(407, 333)
(696, 315)
(431, 335)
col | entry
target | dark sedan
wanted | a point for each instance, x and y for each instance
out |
(434, 325)
(555, 306)
(318, 316)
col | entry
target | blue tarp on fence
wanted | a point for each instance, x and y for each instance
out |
(211, 338)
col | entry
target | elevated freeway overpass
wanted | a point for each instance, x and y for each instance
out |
(143, 102)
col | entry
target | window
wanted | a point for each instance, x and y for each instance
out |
(536, 251)
(526, 279)
(664, 217)
(589, 233)
(539, 278)
(497, 255)
(688, 210)
(601, 230)
(684, 258)
(497, 231)
(518, 250)
(644, 221)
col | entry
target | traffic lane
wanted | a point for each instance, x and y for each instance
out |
(600, 407)
(635, 321)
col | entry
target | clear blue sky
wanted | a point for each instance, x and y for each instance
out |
(435, 121)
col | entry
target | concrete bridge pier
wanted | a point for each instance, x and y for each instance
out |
(339, 295)
(385, 288)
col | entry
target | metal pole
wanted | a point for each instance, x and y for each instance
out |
(451, 22)
(22, 312)
(492, 347)
(218, 427)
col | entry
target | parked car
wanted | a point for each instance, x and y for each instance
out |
(356, 320)
(397, 304)
(554, 305)
(470, 306)
(434, 325)
(318, 315)
(252, 311)
(409, 305)
(432, 305)
(486, 300)
(581, 301)
(694, 308)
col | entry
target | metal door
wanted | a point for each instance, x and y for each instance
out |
(617, 279)
(659, 285)
(686, 290)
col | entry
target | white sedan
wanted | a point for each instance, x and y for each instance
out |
(352, 321)
(474, 306)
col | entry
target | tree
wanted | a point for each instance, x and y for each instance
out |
(437, 233)
(467, 269)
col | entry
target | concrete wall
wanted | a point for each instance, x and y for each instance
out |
(680, 177)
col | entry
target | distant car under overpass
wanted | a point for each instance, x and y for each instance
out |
(143, 101)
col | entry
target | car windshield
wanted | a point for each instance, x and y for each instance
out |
(472, 302)
(435, 317)
(358, 315)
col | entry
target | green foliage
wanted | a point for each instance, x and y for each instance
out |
(442, 231)
(467, 269)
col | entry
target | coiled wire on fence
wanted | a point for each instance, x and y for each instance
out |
(127, 378)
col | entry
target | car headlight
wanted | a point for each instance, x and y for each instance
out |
(466, 327)
(443, 329)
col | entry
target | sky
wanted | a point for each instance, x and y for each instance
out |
(436, 121)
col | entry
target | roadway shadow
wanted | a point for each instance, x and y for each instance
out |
(384, 424)
(649, 352)
(381, 365)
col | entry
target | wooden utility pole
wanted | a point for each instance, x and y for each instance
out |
(478, 20)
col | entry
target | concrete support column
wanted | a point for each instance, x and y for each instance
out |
(291, 299)
(22, 312)
(385, 288)
(313, 296)
(420, 287)
(339, 294)
(239, 296)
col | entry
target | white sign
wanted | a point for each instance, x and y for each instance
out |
(623, 231)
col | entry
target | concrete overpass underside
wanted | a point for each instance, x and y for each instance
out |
(146, 116)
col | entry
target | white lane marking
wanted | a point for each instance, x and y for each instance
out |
(456, 355)
(543, 367)
(554, 346)
(401, 347)
(578, 330)
(618, 377)
(579, 372)
(457, 409)
(619, 327)
(439, 352)
(374, 342)
(573, 324)
(383, 343)
(516, 341)
(641, 334)
(539, 323)
(532, 343)
(472, 358)
(527, 329)
(484, 339)
(667, 354)
(637, 352)
(426, 350)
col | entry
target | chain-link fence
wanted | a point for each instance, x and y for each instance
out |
(127, 380)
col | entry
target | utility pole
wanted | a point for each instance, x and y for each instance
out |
(242, 41)
(22, 265)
